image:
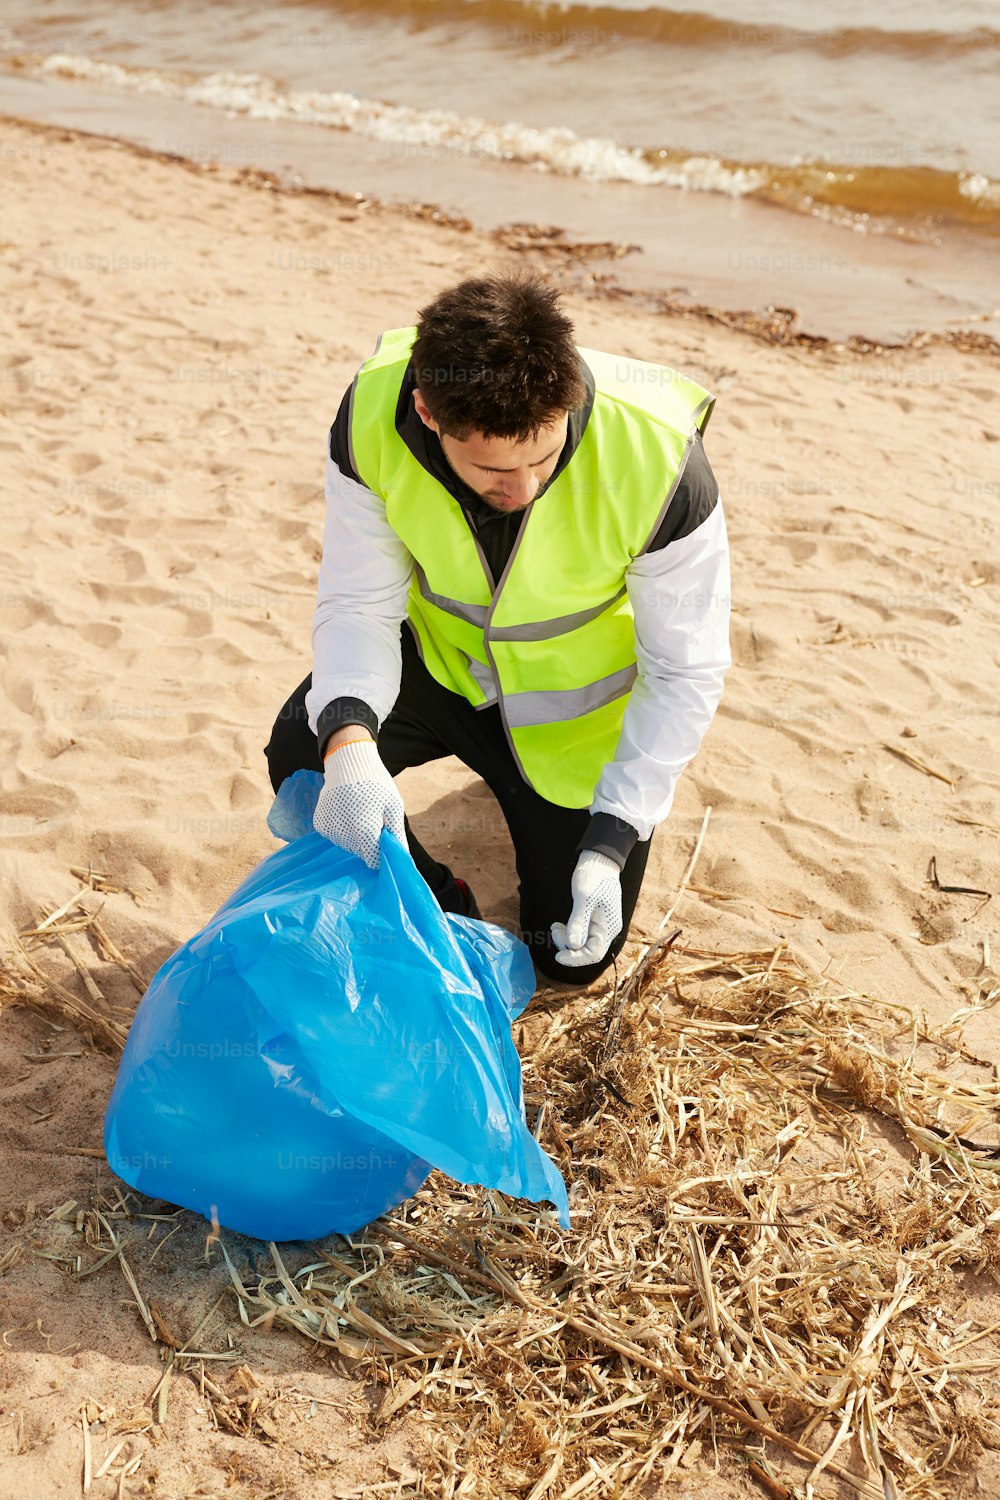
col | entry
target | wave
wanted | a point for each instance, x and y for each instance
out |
(537, 23)
(873, 196)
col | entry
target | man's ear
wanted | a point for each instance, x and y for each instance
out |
(423, 412)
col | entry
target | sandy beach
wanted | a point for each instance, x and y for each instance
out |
(176, 342)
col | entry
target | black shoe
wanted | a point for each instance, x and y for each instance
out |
(469, 907)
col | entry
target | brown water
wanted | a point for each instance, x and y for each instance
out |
(625, 118)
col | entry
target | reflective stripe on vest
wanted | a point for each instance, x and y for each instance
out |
(567, 703)
(553, 642)
(537, 630)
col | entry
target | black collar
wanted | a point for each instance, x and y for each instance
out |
(425, 445)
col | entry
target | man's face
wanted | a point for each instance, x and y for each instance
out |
(504, 473)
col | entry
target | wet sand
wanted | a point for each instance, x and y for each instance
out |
(674, 247)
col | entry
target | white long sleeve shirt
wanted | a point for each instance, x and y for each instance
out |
(679, 594)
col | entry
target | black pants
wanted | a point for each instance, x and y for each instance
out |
(428, 723)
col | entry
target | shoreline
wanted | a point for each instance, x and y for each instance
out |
(798, 279)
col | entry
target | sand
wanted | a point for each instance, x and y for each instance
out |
(176, 342)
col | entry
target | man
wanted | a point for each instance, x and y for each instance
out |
(543, 524)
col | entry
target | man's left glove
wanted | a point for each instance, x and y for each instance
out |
(596, 918)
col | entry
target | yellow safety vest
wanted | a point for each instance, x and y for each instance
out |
(554, 644)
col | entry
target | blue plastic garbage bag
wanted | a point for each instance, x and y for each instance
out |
(299, 1065)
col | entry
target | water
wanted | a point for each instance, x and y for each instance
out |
(889, 131)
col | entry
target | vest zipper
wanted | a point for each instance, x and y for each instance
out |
(494, 602)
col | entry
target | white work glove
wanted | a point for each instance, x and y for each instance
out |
(359, 799)
(596, 917)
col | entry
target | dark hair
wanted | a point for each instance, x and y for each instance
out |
(495, 355)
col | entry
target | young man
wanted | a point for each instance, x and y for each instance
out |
(542, 522)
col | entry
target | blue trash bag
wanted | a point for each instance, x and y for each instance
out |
(298, 1066)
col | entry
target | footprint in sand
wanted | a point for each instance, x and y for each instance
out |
(751, 645)
(153, 595)
(243, 791)
(231, 655)
(266, 627)
(83, 463)
(98, 634)
(115, 525)
(194, 622)
(131, 563)
(293, 531)
(799, 549)
(22, 693)
(302, 492)
(33, 804)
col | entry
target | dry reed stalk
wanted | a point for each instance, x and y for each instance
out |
(112, 952)
(920, 765)
(89, 984)
(88, 1467)
(50, 998)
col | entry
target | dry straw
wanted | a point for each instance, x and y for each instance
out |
(103, 1024)
(774, 1183)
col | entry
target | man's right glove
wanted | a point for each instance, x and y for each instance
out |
(596, 918)
(359, 799)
